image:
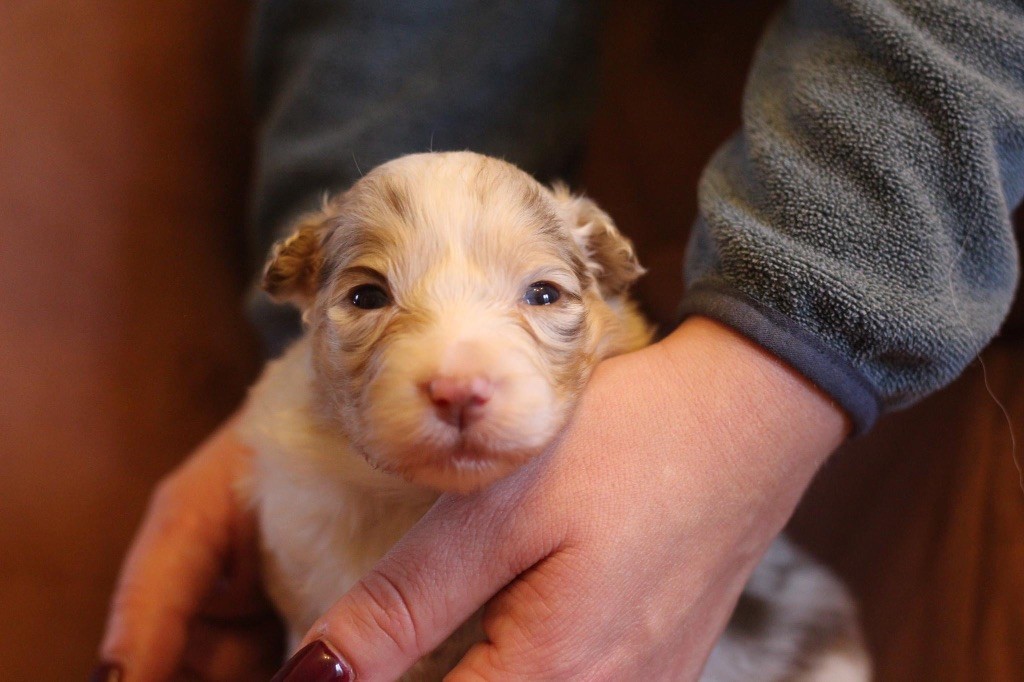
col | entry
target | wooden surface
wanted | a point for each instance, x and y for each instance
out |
(925, 519)
(123, 159)
(123, 163)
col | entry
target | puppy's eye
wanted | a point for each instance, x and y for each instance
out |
(541, 293)
(368, 297)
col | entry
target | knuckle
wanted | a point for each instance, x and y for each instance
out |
(166, 497)
(128, 599)
(135, 601)
(392, 612)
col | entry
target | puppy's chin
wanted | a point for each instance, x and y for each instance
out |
(460, 474)
(455, 471)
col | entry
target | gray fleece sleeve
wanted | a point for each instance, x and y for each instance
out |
(859, 225)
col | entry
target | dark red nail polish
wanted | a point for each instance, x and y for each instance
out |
(107, 672)
(314, 663)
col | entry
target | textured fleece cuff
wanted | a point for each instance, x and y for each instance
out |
(795, 346)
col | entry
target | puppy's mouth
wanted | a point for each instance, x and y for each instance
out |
(461, 468)
(460, 474)
(470, 459)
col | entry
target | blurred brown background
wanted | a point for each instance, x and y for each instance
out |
(124, 155)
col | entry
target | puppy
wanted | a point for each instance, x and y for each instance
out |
(454, 310)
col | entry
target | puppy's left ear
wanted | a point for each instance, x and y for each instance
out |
(609, 256)
(292, 273)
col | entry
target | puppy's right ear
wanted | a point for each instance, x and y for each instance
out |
(292, 273)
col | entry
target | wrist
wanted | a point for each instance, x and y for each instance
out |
(778, 397)
(752, 418)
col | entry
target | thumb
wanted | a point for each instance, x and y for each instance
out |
(461, 553)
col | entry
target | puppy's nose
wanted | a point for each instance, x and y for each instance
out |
(460, 400)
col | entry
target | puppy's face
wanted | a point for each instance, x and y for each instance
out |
(456, 308)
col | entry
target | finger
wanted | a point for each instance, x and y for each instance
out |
(462, 552)
(174, 562)
(532, 628)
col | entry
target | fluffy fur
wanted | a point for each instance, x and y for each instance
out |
(425, 368)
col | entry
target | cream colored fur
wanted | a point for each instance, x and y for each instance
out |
(353, 441)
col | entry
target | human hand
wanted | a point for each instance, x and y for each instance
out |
(188, 604)
(620, 552)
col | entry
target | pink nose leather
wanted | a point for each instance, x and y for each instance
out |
(460, 400)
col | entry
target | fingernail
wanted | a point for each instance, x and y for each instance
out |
(314, 663)
(107, 672)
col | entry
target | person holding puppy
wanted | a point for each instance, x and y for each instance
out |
(853, 253)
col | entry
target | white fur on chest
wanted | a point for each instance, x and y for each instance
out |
(325, 516)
